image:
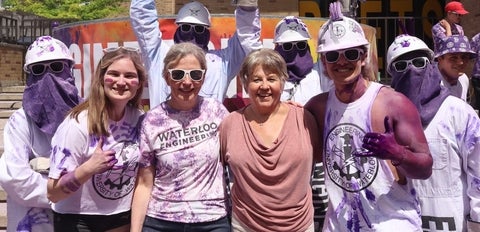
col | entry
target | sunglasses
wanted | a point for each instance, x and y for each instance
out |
(301, 45)
(418, 62)
(352, 54)
(114, 49)
(197, 28)
(55, 66)
(179, 74)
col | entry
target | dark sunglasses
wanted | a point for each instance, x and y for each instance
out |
(418, 62)
(351, 54)
(287, 46)
(55, 66)
(197, 28)
(179, 74)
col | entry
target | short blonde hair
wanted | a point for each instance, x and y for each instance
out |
(270, 61)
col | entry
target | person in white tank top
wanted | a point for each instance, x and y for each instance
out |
(373, 141)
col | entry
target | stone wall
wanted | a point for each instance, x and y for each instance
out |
(11, 65)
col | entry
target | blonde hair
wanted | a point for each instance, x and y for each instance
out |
(98, 103)
(178, 52)
(270, 61)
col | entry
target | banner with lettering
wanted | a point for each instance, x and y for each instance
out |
(87, 40)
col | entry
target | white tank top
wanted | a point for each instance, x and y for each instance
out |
(364, 195)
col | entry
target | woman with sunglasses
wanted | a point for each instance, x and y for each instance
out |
(268, 147)
(180, 184)
(449, 198)
(373, 142)
(95, 149)
(193, 25)
(49, 94)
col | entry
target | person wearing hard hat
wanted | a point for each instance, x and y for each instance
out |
(305, 80)
(453, 55)
(449, 198)
(49, 94)
(193, 21)
(450, 25)
(373, 139)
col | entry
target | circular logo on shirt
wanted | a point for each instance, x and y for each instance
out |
(120, 180)
(350, 172)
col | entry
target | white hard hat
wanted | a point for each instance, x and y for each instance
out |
(404, 44)
(46, 48)
(194, 13)
(290, 29)
(340, 34)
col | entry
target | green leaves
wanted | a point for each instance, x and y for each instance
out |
(76, 10)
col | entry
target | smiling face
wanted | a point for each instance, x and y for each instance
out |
(121, 81)
(453, 65)
(344, 71)
(264, 89)
(184, 93)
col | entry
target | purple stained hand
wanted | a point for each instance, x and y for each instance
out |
(380, 145)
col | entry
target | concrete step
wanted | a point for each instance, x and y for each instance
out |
(12, 89)
(5, 114)
(3, 210)
(11, 96)
(10, 105)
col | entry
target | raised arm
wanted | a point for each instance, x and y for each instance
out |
(246, 37)
(144, 21)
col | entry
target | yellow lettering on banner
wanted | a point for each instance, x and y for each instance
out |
(401, 6)
(309, 9)
(428, 7)
(370, 7)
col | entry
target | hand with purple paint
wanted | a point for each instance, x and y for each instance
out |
(101, 160)
(382, 145)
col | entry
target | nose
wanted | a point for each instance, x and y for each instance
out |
(264, 85)
(121, 80)
(342, 59)
(187, 79)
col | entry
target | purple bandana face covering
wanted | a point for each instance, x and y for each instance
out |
(422, 87)
(191, 36)
(48, 98)
(299, 62)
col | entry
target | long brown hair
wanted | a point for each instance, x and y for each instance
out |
(97, 104)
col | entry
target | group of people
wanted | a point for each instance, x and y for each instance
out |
(404, 157)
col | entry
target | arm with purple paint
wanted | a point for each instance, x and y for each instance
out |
(403, 141)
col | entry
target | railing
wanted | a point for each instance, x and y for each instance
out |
(22, 28)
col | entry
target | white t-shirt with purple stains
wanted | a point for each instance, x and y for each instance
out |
(184, 148)
(106, 193)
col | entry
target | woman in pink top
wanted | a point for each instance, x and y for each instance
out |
(270, 148)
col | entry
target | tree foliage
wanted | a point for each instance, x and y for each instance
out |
(70, 9)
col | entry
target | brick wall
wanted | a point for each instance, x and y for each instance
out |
(267, 7)
(11, 65)
(470, 21)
